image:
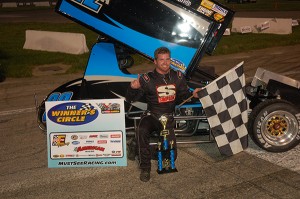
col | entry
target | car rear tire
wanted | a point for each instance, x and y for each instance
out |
(274, 125)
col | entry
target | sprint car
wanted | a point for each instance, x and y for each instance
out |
(190, 29)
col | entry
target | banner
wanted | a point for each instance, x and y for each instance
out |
(86, 133)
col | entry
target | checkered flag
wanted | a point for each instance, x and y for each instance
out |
(225, 105)
(87, 107)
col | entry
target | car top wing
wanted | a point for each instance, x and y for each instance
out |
(189, 28)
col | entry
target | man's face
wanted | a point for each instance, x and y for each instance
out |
(162, 63)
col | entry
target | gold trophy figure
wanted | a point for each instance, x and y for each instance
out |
(166, 154)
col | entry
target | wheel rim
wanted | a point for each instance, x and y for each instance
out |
(279, 128)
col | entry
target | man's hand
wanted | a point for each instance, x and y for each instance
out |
(135, 84)
(195, 92)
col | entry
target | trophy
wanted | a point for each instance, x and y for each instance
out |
(166, 150)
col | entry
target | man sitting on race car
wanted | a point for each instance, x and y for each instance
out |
(162, 88)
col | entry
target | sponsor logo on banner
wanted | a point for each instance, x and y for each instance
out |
(115, 141)
(75, 142)
(264, 26)
(102, 142)
(73, 113)
(59, 140)
(115, 154)
(295, 22)
(115, 135)
(246, 29)
(74, 137)
(109, 108)
(178, 64)
(103, 136)
(83, 137)
(89, 148)
(93, 136)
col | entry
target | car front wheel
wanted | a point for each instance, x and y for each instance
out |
(274, 125)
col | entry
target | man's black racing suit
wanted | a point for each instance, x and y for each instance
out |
(162, 93)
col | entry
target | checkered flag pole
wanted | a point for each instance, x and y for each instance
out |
(225, 105)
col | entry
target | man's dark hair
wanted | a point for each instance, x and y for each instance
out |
(161, 50)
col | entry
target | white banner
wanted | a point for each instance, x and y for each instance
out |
(86, 133)
(65, 42)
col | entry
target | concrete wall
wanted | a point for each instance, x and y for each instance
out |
(262, 25)
(72, 43)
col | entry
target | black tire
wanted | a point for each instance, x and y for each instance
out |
(274, 125)
(40, 112)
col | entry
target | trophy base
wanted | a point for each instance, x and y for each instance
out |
(163, 171)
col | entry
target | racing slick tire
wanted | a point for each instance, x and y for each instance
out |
(274, 125)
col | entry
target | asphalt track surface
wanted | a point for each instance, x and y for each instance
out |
(203, 172)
